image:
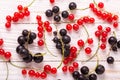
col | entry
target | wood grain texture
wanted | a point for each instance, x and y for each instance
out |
(8, 7)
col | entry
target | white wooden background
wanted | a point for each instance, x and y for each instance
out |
(8, 7)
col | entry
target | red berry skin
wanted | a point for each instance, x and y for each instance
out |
(31, 73)
(49, 29)
(37, 75)
(24, 72)
(27, 13)
(40, 34)
(40, 28)
(8, 25)
(100, 27)
(8, 18)
(1, 42)
(52, 1)
(80, 22)
(91, 20)
(104, 34)
(115, 17)
(91, 5)
(38, 17)
(115, 24)
(20, 7)
(46, 23)
(69, 27)
(47, 68)
(80, 43)
(2, 52)
(53, 70)
(97, 33)
(7, 55)
(108, 29)
(71, 17)
(40, 23)
(15, 19)
(100, 4)
(65, 61)
(71, 69)
(103, 39)
(75, 65)
(75, 27)
(90, 40)
(73, 49)
(40, 42)
(43, 75)
(102, 46)
(86, 19)
(64, 68)
(88, 50)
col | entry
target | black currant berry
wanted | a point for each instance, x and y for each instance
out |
(75, 74)
(84, 70)
(25, 32)
(66, 52)
(28, 58)
(92, 77)
(65, 14)
(67, 46)
(32, 35)
(56, 40)
(63, 32)
(118, 44)
(24, 52)
(55, 33)
(55, 9)
(114, 48)
(30, 41)
(72, 6)
(38, 57)
(112, 40)
(57, 18)
(66, 39)
(110, 60)
(49, 13)
(81, 77)
(19, 48)
(21, 40)
(100, 69)
(59, 45)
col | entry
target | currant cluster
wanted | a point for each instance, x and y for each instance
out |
(27, 38)
(84, 73)
(65, 14)
(22, 12)
(6, 55)
(63, 41)
(106, 16)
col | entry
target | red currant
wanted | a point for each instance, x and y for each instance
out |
(7, 24)
(91, 5)
(47, 68)
(92, 20)
(100, 4)
(43, 75)
(52, 1)
(108, 29)
(53, 70)
(7, 55)
(46, 23)
(38, 17)
(49, 29)
(100, 27)
(31, 73)
(90, 40)
(24, 72)
(64, 68)
(8, 18)
(97, 33)
(80, 43)
(102, 46)
(2, 52)
(115, 24)
(37, 75)
(75, 64)
(103, 39)
(20, 7)
(73, 49)
(40, 34)
(79, 21)
(115, 17)
(1, 42)
(104, 34)
(88, 50)
(75, 27)
(40, 42)
(71, 69)
(40, 28)
(71, 17)
(69, 27)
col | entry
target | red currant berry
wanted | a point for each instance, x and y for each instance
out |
(47, 68)
(115, 24)
(37, 75)
(25, 8)
(92, 20)
(40, 28)
(71, 69)
(1, 42)
(40, 42)
(80, 43)
(8, 18)
(31, 73)
(52, 1)
(88, 50)
(90, 40)
(79, 21)
(115, 17)
(20, 7)
(24, 72)
(15, 19)
(104, 16)
(2, 52)
(71, 17)
(49, 29)
(7, 55)
(108, 29)
(75, 27)
(100, 27)
(104, 34)
(86, 19)
(21, 15)
(69, 27)
(97, 33)
(91, 5)
(100, 4)
(40, 23)
(40, 34)
(65, 61)
(73, 49)
(102, 46)
(7, 24)
(43, 75)
(27, 13)
(103, 39)
(53, 70)
(46, 23)
(75, 64)
(38, 18)
(64, 68)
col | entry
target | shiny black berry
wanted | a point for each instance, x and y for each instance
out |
(57, 18)
(100, 69)
(66, 52)
(19, 48)
(110, 60)
(114, 48)
(84, 70)
(24, 52)
(72, 6)
(112, 40)
(49, 13)
(118, 44)
(63, 32)
(55, 33)
(38, 57)
(75, 74)
(59, 45)
(21, 40)
(67, 46)
(25, 32)
(66, 39)
(30, 41)
(28, 58)
(65, 14)
(92, 77)
(55, 9)
(56, 40)
(81, 77)
(32, 35)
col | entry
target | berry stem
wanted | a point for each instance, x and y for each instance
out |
(83, 8)
(7, 70)
(95, 3)
(31, 3)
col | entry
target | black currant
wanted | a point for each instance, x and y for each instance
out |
(57, 18)
(66, 39)
(55, 33)
(72, 6)
(84, 70)
(38, 57)
(30, 41)
(63, 32)
(118, 44)
(25, 32)
(24, 52)
(81, 77)
(67, 46)
(75, 74)
(32, 35)
(49, 13)
(19, 48)
(21, 40)
(100, 69)
(55, 9)
(92, 77)
(28, 58)
(65, 14)
(66, 52)
(56, 40)
(112, 40)
(114, 48)
(59, 45)
(110, 60)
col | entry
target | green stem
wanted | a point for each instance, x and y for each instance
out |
(95, 3)
(31, 3)
(7, 70)
(82, 8)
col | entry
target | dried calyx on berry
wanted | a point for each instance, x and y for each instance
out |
(26, 38)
